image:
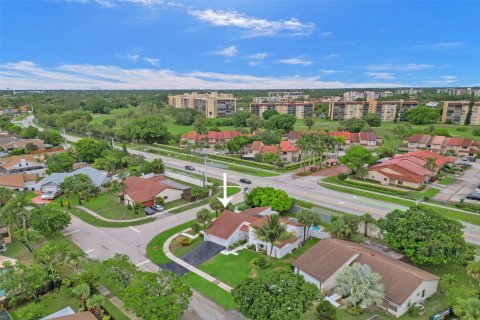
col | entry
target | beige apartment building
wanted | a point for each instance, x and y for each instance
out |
(456, 112)
(212, 105)
(386, 110)
(299, 109)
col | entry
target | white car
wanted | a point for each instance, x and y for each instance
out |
(48, 196)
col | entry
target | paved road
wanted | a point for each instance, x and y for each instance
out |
(305, 188)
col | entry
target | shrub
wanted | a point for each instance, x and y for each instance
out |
(354, 311)
(414, 311)
(129, 206)
(325, 311)
(185, 242)
(426, 198)
(342, 176)
(31, 311)
(462, 128)
(236, 244)
(476, 132)
(260, 262)
(196, 228)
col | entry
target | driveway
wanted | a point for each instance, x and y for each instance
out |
(463, 185)
(200, 254)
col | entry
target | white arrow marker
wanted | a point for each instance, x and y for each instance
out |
(225, 200)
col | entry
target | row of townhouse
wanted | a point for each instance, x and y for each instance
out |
(412, 169)
(369, 140)
(299, 109)
(212, 105)
(456, 112)
(386, 110)
(212, 137)
(287, 152)
(441, 145)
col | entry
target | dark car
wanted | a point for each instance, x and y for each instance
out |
(474, 196)
(190, 168)
(3, 248)
(149, 211)
(245, 180)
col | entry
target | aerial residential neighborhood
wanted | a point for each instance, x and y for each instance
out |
(239, 160)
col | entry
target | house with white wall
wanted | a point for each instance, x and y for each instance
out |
(405, 285)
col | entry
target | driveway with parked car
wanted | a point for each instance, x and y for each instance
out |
(466, 183)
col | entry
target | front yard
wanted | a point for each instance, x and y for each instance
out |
(107, 205)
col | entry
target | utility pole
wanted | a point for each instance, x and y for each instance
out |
(64, 138)
(205, 172)
(89, 134)
(113, 144)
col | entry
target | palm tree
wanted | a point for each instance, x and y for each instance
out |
(273, 232)
(307, 219)
(204, 216)
(473, 270)
(339, 229)
(366, 219)
(216, 205)
(303, 146)
(198, 192)
(467, 308)
(82, 291)
(359, 286)
(430, 164)
(17, 213)
(117, 189)
(94, 304)
(449, 278)
(5, 195)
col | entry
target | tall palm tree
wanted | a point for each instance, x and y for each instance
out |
(366, 219)
(16, 213)
(82, 291)
(307, 219)
(430, 165)
(204, 216)
(359, 286)
(303, 146)
(473, 270)
(272, 232)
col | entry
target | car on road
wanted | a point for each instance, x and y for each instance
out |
(149, 211)
(475, 195)
(189, 168)
(3, 248)
(245, 190)
(158, 208)
(48, 196)
(245, 180)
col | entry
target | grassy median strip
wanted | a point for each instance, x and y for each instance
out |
(444, 211)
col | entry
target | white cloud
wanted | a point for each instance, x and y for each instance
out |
(27, 75)
(153, 61)
(228, 52)
(440, 46)
(381, 75)
(401, 67)
(443, 81)
(255, 26)
(324, 71)
(257, 58)
(295, 61)
(331, 56)
(113, 3)
(326, 34)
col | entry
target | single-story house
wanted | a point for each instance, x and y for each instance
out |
(22, 143)
(440, 160)
(19, 181)
(23, 163)
(231, 227)
(405, 285)
(406, 172)
(369, 140)
(213, 137)
(53, 181)
(146, 190)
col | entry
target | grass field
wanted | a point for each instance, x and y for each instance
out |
(107, 206)
(114, 114)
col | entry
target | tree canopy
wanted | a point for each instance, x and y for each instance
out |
(48, 220)
(372, 119)
(353, 125)
(422, 115)
(88, 149)
(267, 114)
(425, 236)
(268, 196)
(149, 129)
(281, 295)
(60, 162)
(281, 122)
(356, 158)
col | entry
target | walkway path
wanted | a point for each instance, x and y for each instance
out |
(204, 275)
(117, 302)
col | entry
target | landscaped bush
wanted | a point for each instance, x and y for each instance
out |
(185, 241)
(31, 311)
(414, 311)
(468, 206)
(462, 128)
(260, 262)
(354, 311)
(236, 244)
(196, 228)
(342, 176)
(129, 206)
(325, 311)
(476, 132)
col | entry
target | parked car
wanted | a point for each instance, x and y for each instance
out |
(158, 208)
(3, 247)
(245, 190)
(474, 195)
(48, 196)
(189, 168)
(149, 211)
(245, 180)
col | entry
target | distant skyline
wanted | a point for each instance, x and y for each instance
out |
(163, 44)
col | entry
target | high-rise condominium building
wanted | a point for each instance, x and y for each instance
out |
(279, 96)
(299, 109)
(386, 110)
(212, 105)
(456, 112)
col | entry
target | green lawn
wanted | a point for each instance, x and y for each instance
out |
(20, 118)
(178, 250)
(53, 302)
(449, 179)
(175, 203)
(106, 205)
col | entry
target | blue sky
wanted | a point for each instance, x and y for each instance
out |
(162, 44)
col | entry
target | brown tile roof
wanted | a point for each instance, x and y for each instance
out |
(419, 138)
(402, 169)
(425, 154)
(223, 135)
(226, 224)
(269, 149)
(254, 211)
(329, 255)
(142, 190)
(256, 146)
(462, 142)
(438, 140)
(369, 136)
(86, 315)
(16, 180)
(286, 146)
(9, 162)
(293, 135)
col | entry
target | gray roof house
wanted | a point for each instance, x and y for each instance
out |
(53, 181)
